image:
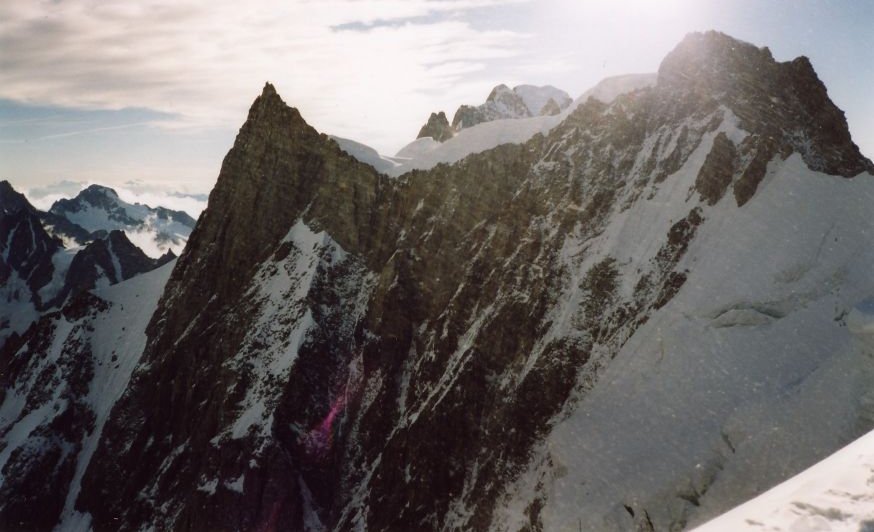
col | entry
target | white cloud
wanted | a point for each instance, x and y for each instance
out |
(363, 69)
(193, 204)
(44, 196)
(154, 194)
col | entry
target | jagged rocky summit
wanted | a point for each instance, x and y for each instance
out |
(629, 321)
(523, 101)
(437, 128)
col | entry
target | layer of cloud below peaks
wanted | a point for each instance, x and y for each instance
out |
(153, 195)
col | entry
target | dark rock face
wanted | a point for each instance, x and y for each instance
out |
(111, 259)
(341, 348)
(56, 381)
(26, 263)
(27, 250)
(551, 108)
(437, 128)
(782, 103)
(213, 276)
(501, 103)
(165, 258)
(61, 227)
(182, 217)
(718, 169)
(504, 102)
(467, 116)
(12, 201)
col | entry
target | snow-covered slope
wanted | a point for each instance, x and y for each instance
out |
(104, 262)
(61, 380)
(416, 149)
(609, 88)
(834, 494)
(38, 273)
(504, 126)
(424, 153)
(154, 230)
(365, 154)
(758, 342)
(475, 139)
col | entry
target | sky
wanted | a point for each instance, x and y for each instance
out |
(148, 95)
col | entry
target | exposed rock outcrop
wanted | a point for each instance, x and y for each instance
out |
(437, 128)
(551, 108)
(781, 103)
(523, 101)
(107, 261)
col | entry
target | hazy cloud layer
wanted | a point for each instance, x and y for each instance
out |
(355, 68)
(153, 195)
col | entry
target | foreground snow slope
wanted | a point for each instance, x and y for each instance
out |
(757, 340)
(835, 494)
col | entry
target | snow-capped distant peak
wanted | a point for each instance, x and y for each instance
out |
(523, 101)
(481, 128)
(536, 98)
(155, 230)
(608, 89)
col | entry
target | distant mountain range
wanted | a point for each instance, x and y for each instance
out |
(98, 210)
(439, 142)
(78, 245)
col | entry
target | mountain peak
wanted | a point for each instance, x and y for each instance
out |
(97, 210)
(498, 91)
(786, 102)
(268, 90)
(95, 190)
(522, 101)
(270, 110)
(93, 195)
(11, 200)
(269, 96)
(713, 58)
(256, 199)
(437, 128)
